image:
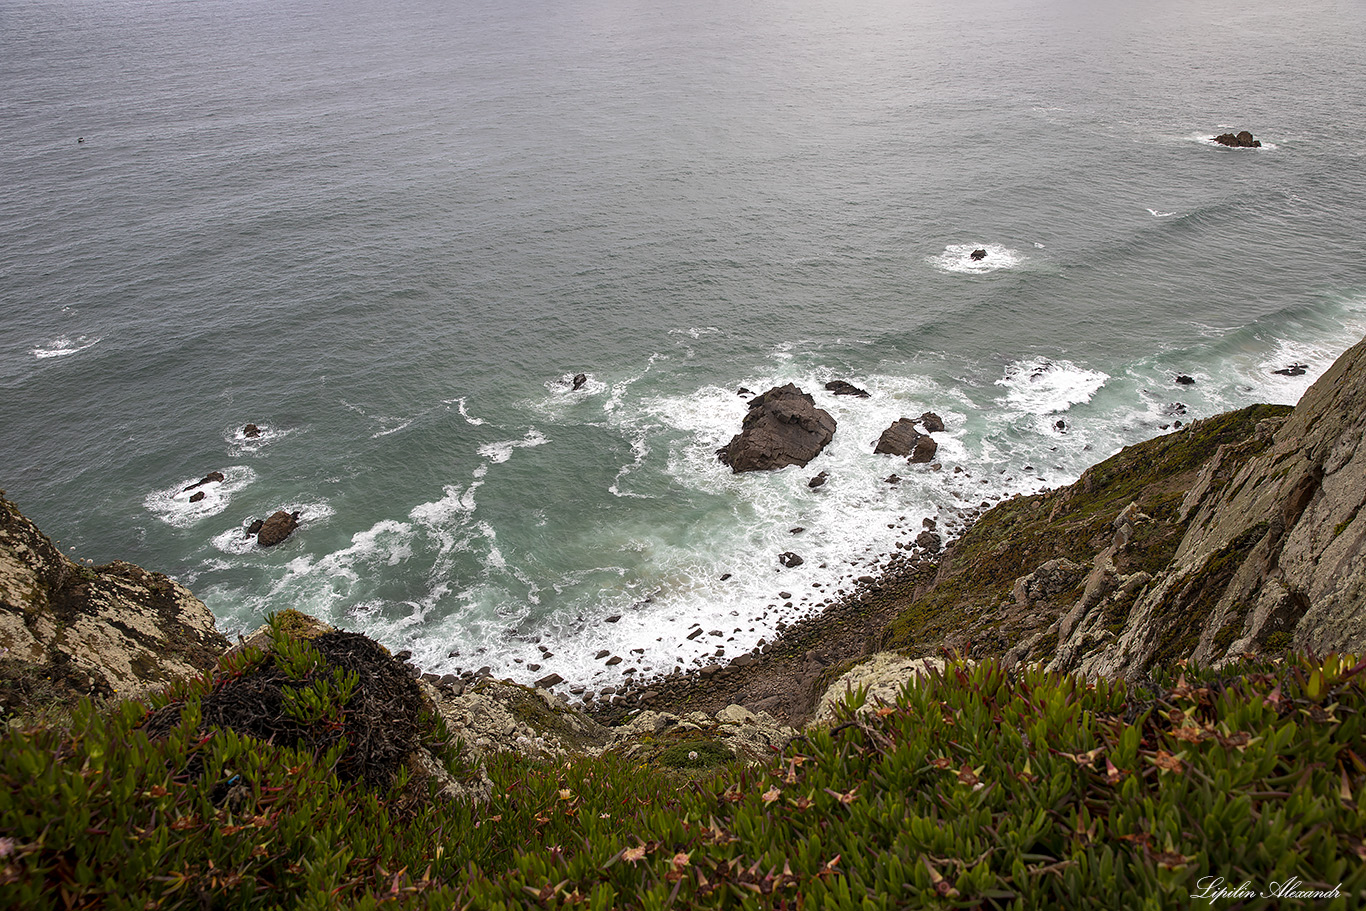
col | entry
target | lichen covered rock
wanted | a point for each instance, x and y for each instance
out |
(69, 630)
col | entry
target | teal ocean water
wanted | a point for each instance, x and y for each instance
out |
(390, 235)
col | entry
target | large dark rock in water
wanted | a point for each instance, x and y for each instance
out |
(1242, 140)
(783, 427)
(275, 529)
(903, 439)
(932, 422)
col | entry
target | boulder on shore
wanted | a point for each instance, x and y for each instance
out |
(1241, 140)
(275, 529)
(783, 427)
(903, 439)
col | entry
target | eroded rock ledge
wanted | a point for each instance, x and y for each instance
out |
(69, 630)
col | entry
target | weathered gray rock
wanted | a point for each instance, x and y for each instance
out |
(68, 630)
(883, 674)
(1274, 553)
(748, 734)
(783, 427)
(499, 716)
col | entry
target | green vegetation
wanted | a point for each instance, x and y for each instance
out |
(979, 788)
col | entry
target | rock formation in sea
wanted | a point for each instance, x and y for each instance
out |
(1241, 140)
(783, 427)
(844, 387)
(903, 439)
(276, 528)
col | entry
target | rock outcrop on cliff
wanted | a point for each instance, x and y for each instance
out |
(1239, 534)
(1279, 534)
(68, 630)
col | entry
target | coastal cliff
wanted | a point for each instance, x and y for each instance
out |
(309, 767)
(1237, 535)
(69, 630)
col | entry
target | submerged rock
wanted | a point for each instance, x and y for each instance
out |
(213, 477)
(841, 387)
(783, 427)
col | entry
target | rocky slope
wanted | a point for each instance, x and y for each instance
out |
(68, 630)
(1238, 534)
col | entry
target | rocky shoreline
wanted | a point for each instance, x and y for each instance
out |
(1237, 534)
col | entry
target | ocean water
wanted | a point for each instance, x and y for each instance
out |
(391, 234)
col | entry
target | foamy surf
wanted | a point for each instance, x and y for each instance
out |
(1043, 386)
(236, 540)
(173, 505)
(957, 258)
(242, 444)
(502, 450)
(64, 346)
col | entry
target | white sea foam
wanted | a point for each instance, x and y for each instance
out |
(236, 540)
(63, 346)
(503, 450)
(958, 258)
(639, 450)
(1042, 386)
(242, 444)
(172, 504)
(1156, 214)
(390, 425)
(460, 405)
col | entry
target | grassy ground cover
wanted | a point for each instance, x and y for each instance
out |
(978, 788)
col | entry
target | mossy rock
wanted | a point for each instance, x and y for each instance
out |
(695, 754)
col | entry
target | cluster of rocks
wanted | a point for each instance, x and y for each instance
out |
(213, 477)
(784, 427)
(1241, 140)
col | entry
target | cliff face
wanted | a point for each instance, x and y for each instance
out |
(68, 630)
(1238, 534)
